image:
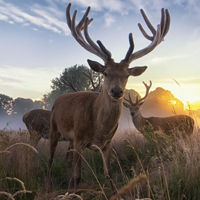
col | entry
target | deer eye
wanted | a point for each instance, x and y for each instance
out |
(105, 74)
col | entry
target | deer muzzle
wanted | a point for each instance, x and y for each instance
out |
(116, 92)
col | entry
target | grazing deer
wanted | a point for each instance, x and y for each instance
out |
(168, 125)
(88, 118)
(37, 122)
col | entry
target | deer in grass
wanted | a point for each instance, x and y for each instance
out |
(37, 121)
(168, 125)
(88, 119)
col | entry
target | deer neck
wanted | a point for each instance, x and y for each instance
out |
(139, 121)
(107, 112)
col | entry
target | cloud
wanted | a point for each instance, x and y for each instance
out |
(37, 15)
(103, 5)
(51, 22)
(109, 20)
(8, 80)
(35, 29)
(28, 80)
(3, 17)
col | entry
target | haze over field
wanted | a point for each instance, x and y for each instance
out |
(36, 44)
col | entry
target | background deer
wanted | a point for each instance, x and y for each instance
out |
(87, 118)
(38, 121)
(168, 125)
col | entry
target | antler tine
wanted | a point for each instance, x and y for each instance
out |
(157, 38)
(102, 47)
(129, 100)
(90, 46)
(131, 48)
(70, 84)
(147, 91)
(90, 76)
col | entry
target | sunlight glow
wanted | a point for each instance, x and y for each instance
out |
(186, 93)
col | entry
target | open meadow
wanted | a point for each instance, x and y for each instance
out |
(171, 168)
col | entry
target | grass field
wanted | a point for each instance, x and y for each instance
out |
(170, 168)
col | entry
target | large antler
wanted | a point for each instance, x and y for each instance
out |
(137, 102)
(157, 38)
(96, 88)
(89, 45)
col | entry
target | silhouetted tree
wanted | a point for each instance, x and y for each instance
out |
(5, 104)
(73, 74)
(38, 104)
(162, 102)
(22, 106)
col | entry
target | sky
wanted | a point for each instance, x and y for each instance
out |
(36, 44)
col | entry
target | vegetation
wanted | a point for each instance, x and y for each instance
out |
(161, 167)
(171, 167)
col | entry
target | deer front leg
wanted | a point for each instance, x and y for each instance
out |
(69, 160)
(107, 165)
(34, 138)
(78, 151)
(54, 137)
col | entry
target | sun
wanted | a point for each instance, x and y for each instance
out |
(173, 102)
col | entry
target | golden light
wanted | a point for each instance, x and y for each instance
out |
(174, 102)
(188, 94)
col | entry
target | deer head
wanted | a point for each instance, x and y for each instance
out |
(116, 74)
(134, 107)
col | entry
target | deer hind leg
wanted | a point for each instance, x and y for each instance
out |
(69, 160)
(54, 137)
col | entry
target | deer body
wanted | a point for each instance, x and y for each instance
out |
(168, 125)
(87, 118)
(90, 118)
(37, 122)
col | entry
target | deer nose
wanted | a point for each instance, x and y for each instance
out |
(117, 92)
(132, 114)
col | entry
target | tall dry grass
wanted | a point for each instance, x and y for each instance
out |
(170, 168)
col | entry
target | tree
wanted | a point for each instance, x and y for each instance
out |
(22, 106)
(5, 104)
(73, 74)
(161, 102)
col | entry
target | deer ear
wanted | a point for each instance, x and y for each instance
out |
(141, 103)
(136, 71)
(97, 67)
(126, 105)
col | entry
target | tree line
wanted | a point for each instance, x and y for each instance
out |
(158, 101)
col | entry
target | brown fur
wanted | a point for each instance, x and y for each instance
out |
(182, 124)
(88, 118)
(37, 122)
(169, 125)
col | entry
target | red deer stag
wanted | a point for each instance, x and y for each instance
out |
(37, 122)
(169, 125)
(87, 118)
